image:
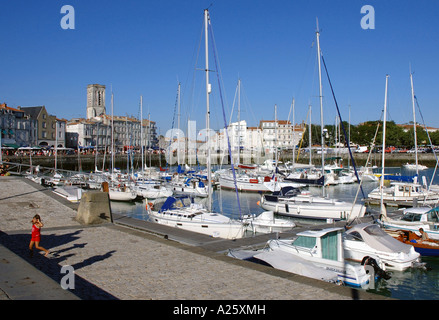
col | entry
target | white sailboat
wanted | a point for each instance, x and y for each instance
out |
(194, 217)
(302, 204)
(292, 202)
(401, 193)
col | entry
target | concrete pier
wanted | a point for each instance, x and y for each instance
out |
(131, 259)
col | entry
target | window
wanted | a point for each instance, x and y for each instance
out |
(432, 216)
(354, 236)
(44, 124)
(307, 242)
(411, 216)
(330, 246)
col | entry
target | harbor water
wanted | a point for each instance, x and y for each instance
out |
(412, 284)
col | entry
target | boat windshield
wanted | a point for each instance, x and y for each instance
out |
(432, 215)
(306, 242)
(374, 230)
(353, 236)
(411, 216)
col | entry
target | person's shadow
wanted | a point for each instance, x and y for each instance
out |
(18, 244)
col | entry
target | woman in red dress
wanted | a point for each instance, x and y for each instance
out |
(36, 235)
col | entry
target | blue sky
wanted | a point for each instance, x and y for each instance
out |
(146, 47)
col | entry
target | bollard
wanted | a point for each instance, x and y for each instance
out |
(94, 208)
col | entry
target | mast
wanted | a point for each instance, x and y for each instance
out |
(112, 135)
(56, 145)
(275, 137)
(141, 132)
(239, 121)
(321, 103)
(294, 133)
(309, 137)
(383, 209)
(208, 91)
(178, 126)
(414, 123)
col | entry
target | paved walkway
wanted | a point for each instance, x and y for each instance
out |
(113, 261)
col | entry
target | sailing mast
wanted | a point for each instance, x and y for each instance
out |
(321, 104)
(208, 91)
(383, 209)
(178, 126)
(309, 137)
(112, 136)
(239, 121)
(414, 123)
(141, 133)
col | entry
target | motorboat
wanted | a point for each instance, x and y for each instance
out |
(181, 212)
(414, 166)
(314, 253)
(152, 191)
(368, 240)
(426, 247)
(412, 219)
(266, 222)
(71, 193)
(121, 193)
(190, 186)
(297, 203)
(248, 182)
(404, 194)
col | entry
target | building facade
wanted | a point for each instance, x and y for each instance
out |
(17, 127)
(98, 130)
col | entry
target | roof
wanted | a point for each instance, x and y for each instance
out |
(34, 112)
(317, 233)
(4, 106)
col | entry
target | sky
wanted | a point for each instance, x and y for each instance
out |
(145, 48)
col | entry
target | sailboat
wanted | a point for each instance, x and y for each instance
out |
(293, 202)
(405, 194)
(116, 190)
(194, 217)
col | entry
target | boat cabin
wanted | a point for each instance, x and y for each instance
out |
(321, 243)
(406, 189)
(421, 214)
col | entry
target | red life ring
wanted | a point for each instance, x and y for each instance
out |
(149, 205)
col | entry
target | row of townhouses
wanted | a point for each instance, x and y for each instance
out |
(34, 126)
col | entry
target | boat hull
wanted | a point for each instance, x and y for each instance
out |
(230, 230)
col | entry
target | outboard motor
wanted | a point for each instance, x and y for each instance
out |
(378, 271)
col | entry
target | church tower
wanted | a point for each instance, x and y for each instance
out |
(95, 100)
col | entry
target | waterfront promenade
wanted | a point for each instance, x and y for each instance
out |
(128, 260)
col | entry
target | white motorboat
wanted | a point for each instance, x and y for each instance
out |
(254, 182)
(246, 182)
(316, 254)
(413, 219)
(152, 191)
(177, 212)
(71, 193)
(368, 240)
(266, 222)
(404, 194)
(302, 204)
(414, 166)
(57, 179)
(121, 194)
(190, 186)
